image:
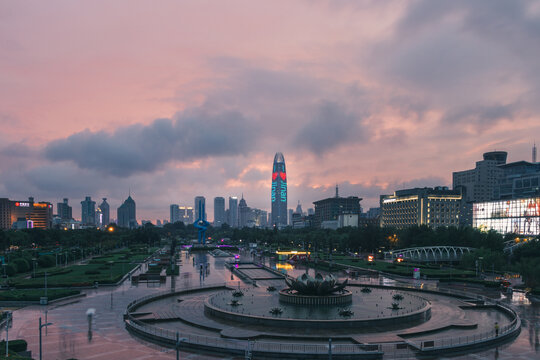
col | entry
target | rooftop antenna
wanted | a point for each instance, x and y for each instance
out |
(534, 153)
(337, 192)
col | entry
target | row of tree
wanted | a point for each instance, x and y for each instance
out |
(489, 245)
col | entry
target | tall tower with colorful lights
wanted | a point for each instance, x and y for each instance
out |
(279, 192)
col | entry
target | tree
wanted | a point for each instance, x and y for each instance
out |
(21, 265)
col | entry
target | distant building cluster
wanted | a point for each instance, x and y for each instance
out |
(494, 195)
(30, 214)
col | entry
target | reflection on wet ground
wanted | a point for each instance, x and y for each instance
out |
(68, 336)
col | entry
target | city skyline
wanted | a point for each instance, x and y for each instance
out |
(376, 97)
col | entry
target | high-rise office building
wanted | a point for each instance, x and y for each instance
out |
(88, 211)
(185, 214)
(174, 213)
(127, 214)
(290, 213)
(479, 184)
(104, 208)
(260, 218)
(219, 211)
(28, 214)
(243, 213)
(65, 212)
(279, 192)
(199, 200)
(233, 211)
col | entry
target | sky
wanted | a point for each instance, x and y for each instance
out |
(174, 99)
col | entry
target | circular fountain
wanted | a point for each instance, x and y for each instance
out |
(319, 302)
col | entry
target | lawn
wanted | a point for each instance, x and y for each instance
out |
(406, 269)
(35, 294)
(106, 269)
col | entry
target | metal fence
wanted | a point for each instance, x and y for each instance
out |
(170, 337)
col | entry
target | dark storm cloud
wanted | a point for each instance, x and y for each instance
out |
(467, 59)
(134, 149)
(17, 150)
(482, 116)
(331, 126)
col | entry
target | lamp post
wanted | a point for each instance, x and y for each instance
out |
(8, 324)
(40, 346)
(178, 343)
(90, 314)
(111, 264)
(329, 348)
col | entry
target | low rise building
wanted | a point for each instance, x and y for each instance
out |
(433, 207)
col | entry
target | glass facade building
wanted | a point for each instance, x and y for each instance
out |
(279, 192)
(518, 216)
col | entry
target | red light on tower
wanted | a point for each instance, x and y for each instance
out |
(283, 176)
(274, 176)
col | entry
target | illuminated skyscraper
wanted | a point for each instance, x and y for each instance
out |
(279, 192)
(105, 213)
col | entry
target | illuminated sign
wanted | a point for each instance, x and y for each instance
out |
(519, 216)
(284, 192)
(22, 204)
(274, 185)
(40, 205)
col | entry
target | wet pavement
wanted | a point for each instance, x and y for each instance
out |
(68, 336)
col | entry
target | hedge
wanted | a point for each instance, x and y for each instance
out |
(14, 345)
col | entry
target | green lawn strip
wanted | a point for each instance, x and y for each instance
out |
(491, 284)
(35, 294)
(407, 269)
(80, 275)
(104, 269)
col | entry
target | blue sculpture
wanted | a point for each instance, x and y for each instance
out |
(201, 224)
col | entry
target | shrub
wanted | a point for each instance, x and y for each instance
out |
(46, 261)
(22, 265)
(10, 269)
(15, 345)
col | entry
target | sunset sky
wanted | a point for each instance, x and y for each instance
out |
(174, 99)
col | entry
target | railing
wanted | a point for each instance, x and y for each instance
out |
(465, 341)
(239, 346)
(169, 336)
(191, 340)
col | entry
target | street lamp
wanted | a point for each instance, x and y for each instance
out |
(34, 263)
(41, 326)
(90, 313)
(178, 343)
(8, 325)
